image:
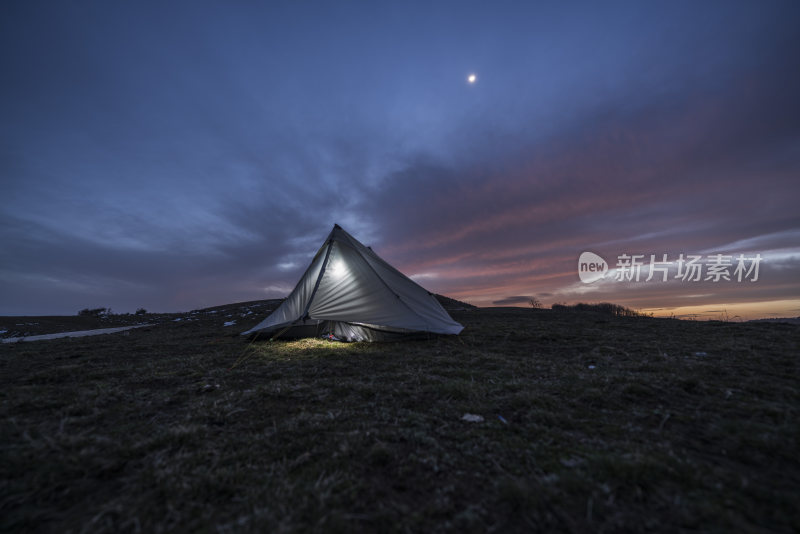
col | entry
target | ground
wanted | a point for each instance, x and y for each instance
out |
(591, 423)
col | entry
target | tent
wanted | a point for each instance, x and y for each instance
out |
(351, 293)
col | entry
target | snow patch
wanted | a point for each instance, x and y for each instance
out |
(77, 333)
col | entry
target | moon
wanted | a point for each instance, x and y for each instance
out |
(472, 78)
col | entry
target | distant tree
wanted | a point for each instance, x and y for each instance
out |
(140, 311)
(536, 304)
(92, 312)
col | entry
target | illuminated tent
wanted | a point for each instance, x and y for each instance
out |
(350, 292)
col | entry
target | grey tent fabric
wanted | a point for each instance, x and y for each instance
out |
(350, 292)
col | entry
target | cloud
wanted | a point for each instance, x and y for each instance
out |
(512, 301)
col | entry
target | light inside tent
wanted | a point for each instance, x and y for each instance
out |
(338, 269)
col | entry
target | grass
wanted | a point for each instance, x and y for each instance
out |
(186, 426)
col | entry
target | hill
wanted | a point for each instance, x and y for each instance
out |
(586, 422)
(453, 304)
(790, 320)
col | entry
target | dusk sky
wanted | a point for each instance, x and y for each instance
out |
(177, 155)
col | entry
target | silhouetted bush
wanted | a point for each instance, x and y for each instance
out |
(602, 307)
(95, 312)
(140, 311)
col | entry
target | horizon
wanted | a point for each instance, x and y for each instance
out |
(709, 315)
(192, 155)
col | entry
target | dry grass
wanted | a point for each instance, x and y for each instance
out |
(154, 431)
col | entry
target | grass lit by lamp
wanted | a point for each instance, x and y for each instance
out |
(309, 348)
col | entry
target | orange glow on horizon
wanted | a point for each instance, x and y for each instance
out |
(734, 312)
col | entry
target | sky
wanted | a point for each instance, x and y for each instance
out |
(177, 155)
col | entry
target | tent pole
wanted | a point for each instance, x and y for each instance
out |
(319, 279)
